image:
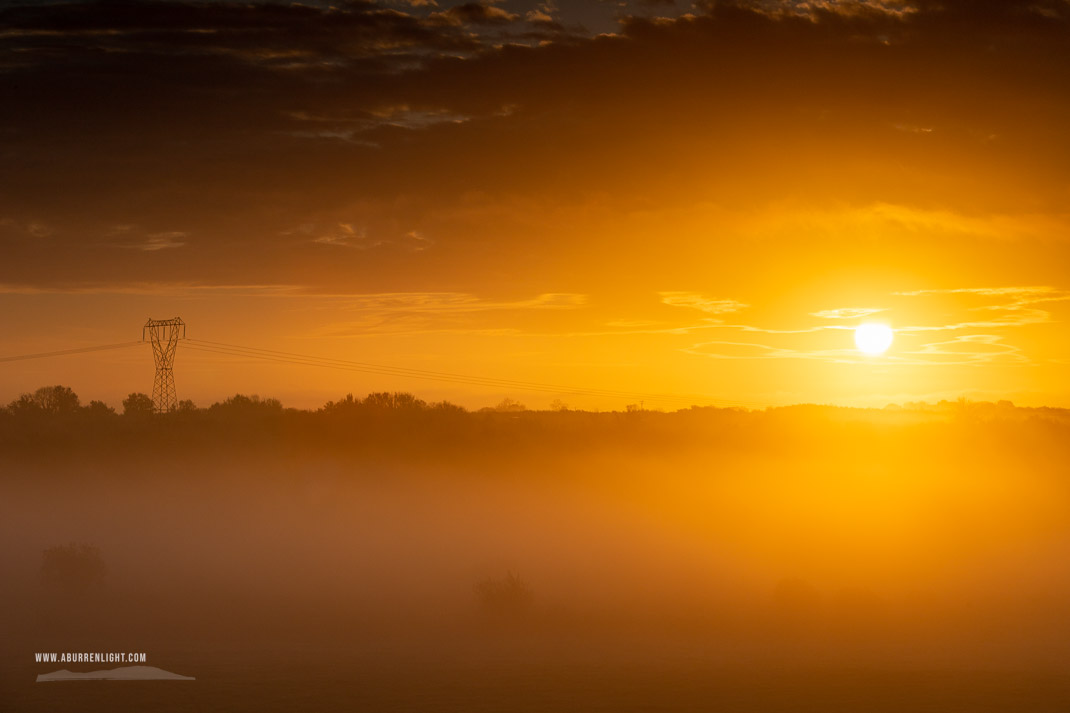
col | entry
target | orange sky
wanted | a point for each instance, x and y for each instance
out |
(653, 198)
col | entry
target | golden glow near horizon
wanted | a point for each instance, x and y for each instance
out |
(873, 338)
(654, 239)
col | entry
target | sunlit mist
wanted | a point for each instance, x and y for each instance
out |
(526, 356)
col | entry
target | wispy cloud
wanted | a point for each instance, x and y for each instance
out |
(356, 128)
(416, 241)
(455, 302)
(473, 13)
(1025, 294)
(435, 312)
(162, 241)
(698, 301)
(816, 9)
(969, 350)
(719, 349)
(878, 217)
(346, 235)
(383, 301)
(130, 237)
(27, 228)
(358, 237)
(1012, 306)
(995, 308)
(848, 312)
(167, 289)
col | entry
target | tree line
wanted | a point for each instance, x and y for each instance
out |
(401, 422)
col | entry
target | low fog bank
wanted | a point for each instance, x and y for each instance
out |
(910, 537)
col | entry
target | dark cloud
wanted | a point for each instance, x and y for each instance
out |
(475, 13)
(231, 123)
(285, 35)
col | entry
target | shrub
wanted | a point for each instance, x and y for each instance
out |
(72, 569)
(509, 595)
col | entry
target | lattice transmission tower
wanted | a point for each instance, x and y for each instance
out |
(164, 335)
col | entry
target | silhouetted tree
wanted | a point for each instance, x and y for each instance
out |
(47, 400)
(99, 409)
(239, 403)
(24, 406)
(72, 569)
(796, 603)
(508, 595)
(857, 611)
(508, 405)
(186, 406)
(341, 406)
(446, 407)
(397, 400)
(138, 405)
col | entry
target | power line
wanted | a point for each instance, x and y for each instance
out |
(307, 360)
(562, 390)
(282, 357)
(421, 373)
(164, 335)
(64, 352)
(389, 371)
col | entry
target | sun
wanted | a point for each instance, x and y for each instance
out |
(873, 338)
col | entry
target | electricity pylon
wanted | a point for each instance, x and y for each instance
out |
(164, 334)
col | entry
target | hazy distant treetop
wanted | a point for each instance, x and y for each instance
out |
(247, 403)
(99, 409)
(59, 400)
(395, 400)
(444, 407)
(508, 595)
(401, 423)
(508, 405)
(138, 405)
(47, 400)
(341, 405)
(72, 569)
(186, 406)
(384, 400)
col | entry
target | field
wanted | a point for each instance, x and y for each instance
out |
(804, 559)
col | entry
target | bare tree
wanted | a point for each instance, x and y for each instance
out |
(73, 569)
(509, 595)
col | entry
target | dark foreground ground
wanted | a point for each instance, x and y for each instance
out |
(802, 560)
(490, 676)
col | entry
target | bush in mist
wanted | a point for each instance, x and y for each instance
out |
(858, 611)
(508, 595)
(99, 410)
(73, 569)
(138, 405)
(510, 406)
(796, 604)
(50, 421)
(186, 406)
(397, 400)
(250, 405)
(47, 401)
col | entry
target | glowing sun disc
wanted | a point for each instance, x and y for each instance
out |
(874, 338)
